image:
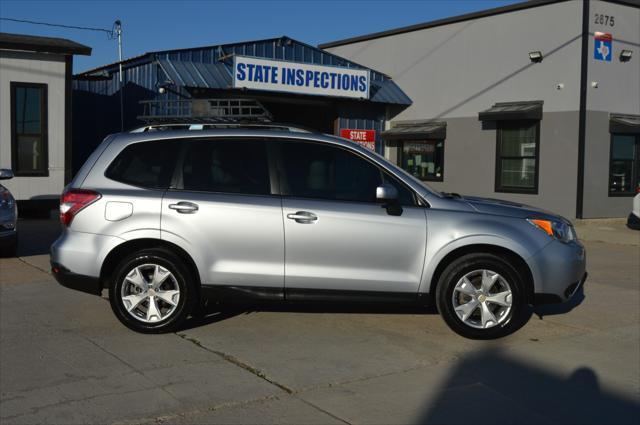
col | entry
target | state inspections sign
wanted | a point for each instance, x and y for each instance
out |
(366, 138)
(300, 78)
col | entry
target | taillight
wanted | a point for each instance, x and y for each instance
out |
(73, 201)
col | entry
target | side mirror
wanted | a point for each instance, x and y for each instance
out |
(388, 195)
(5, 174)
(385, 192)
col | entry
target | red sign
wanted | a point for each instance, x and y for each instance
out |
(366, 138)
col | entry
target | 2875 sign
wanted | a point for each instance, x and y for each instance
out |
(606, 20)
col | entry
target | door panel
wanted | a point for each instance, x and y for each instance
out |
(337, 237)
(238, 238)
(354, 246)
(223, 213)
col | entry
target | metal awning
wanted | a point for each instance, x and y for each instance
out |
(219, 75)
(412, 130)
(197, 74)
(530, 110)
(624, 124)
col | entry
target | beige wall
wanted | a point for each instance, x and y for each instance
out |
(470, 161)
(44, 69)
(618, 88)
(457, 70)
(460, 69)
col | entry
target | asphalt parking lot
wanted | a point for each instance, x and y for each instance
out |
(64, 358)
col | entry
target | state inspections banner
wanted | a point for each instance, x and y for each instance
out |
(300, 78)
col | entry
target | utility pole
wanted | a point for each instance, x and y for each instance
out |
(118, 29)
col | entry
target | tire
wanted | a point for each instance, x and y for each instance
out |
(131, 302)
(487, 315)
(10, 249)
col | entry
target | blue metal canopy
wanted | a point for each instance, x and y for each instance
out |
(218, 75)
(211, 67)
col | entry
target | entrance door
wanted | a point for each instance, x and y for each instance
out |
(336, 236)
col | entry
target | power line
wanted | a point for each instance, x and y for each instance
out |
(114, 32)
(110, 33)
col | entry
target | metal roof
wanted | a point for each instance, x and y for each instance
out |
(33, 43)
(416, 130)
(197, 74)
(218, 75)
(624, 124)
(460, 18)
(211, 66)
(526, 110)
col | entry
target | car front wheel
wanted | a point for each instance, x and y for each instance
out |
(482, 296)
(152, 292)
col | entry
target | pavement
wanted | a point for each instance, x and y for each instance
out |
(614, 231)
(65, 359)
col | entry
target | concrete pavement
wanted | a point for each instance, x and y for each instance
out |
(64, 358)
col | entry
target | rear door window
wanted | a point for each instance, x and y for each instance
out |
(226, 166)
(146, 164)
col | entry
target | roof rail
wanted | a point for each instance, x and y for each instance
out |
(223, 125)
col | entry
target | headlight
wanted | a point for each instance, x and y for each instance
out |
(560, 230)
(6, 200)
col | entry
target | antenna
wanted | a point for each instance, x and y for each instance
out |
(118, 30)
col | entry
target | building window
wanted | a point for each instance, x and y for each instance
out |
(517, 153)
(624, 165)
(29, 129)
(424, 159)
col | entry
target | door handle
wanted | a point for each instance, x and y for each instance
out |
(184, 207)
(302, 217)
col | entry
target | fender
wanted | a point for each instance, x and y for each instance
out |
(189, 249)
(513, 234)
(432, 264)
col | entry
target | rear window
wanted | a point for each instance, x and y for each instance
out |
(146, 164)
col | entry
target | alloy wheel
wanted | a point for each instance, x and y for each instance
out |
(150, 293)
(482, 299)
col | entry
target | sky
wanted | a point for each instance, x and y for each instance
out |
(161, 25)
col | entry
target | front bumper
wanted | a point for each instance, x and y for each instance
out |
(68, 279)
(633, 222)
(559, 270)
(569, 293)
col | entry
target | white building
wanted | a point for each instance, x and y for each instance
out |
(35, 115)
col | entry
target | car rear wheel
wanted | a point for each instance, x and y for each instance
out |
(152, 292)
(481, 296)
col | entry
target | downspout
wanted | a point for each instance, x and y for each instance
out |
(582, 116)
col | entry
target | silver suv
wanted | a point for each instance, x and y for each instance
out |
(164, 218)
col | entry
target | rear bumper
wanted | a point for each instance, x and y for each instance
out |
(6, 235)
(79, 282)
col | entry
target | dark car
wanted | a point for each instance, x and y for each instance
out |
(8, 218)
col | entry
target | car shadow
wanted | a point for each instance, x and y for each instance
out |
(212, 312)
(35, 236)
(491, 386)
(562, 308)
